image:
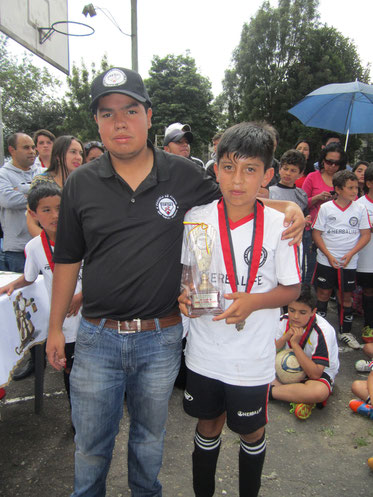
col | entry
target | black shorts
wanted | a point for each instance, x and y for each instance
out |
(246, 407)
(327, 277)
(365, 280)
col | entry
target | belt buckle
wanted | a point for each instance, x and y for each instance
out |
(127, 332)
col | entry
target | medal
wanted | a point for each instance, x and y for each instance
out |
(228, 250)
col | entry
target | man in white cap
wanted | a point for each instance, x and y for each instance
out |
(177, 140)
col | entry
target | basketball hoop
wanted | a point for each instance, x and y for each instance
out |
(62, 27)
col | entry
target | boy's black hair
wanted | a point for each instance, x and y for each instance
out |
(333, 147)
(326, 136)
(368, 176)
(340, 178)
(39, 191)
(294, 158)
(307, 296)
(247, 139)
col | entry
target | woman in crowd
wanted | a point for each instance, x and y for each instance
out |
(359, 169)
(304, 147)
(319, 184)
(67, 154)
(319, 188)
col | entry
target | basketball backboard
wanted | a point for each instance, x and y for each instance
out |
(20, 20)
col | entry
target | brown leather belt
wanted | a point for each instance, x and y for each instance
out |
(137, 325)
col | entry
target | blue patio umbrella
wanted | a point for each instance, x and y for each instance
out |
(342, 107)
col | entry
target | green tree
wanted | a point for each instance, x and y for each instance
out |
(180, 94)
(77, 100)
(284, 54)
(28, 95)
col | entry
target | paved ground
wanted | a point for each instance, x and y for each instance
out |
(324, 456)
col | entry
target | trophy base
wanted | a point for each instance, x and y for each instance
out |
(205, 303)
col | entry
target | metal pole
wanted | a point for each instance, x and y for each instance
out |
(1, 133)
(135, 62)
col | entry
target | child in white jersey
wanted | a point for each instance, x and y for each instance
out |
(340, 230)
(230, 357)
(364, 271)
(314, 344)
(44, 204)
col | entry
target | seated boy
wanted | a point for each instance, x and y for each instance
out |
(292, 165)
(340, 230)
(44, 204)
(230, 357)
(314, 344)
(364, 390)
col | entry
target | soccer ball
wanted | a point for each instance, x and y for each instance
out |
(288, 369)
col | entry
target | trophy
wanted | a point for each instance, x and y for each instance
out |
(205, 297)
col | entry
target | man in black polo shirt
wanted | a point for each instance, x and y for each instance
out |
(123, 215)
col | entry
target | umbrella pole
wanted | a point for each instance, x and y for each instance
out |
(347, 135)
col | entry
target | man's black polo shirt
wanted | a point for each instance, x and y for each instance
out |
(130, 241)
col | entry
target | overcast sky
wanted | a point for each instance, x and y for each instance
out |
(209, 29)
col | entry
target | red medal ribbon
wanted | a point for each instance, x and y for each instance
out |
(47, 246)
(256, 246)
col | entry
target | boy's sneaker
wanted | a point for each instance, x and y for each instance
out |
(361, 408)
(367, 334)
(302, 411)
(364, 366)
(350, 340)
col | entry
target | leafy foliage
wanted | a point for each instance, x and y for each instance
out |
(76, 102)
(283, 55)
(180, 94)
(27, 97)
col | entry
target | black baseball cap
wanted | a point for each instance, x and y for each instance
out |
(176, 135)
(119, 80)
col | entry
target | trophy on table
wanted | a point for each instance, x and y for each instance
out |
(205, 297)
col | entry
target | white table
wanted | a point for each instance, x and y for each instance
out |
(23, 324)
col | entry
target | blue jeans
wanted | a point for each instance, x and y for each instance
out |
(13, 261)
(106, 365)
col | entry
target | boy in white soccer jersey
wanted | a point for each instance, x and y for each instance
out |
(364, 271)
(340, 230)
(230, 357)
(44, 204)
(314, 344)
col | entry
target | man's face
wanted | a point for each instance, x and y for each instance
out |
(44, 146)
(123, 125)
(181, 147)
(23, 155)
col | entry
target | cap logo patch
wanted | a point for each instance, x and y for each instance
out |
(114, 77)
(167, 206)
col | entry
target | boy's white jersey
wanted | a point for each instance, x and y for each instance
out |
(36, 262)
(340, 229)
(217, 350)
(319, 343)
(365, 260)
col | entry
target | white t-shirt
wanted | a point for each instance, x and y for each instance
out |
(36, 261)
(218, 350)
(318, 342)
(365, 260)
(340, 229)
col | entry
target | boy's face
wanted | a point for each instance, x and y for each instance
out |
(289, 174)
(349, 192)
(240, 179)
(300, 314)
(47, 213)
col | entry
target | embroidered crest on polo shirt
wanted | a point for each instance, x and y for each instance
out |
(353, 221)
(263, 256)
(167, 206)
(115, 77)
